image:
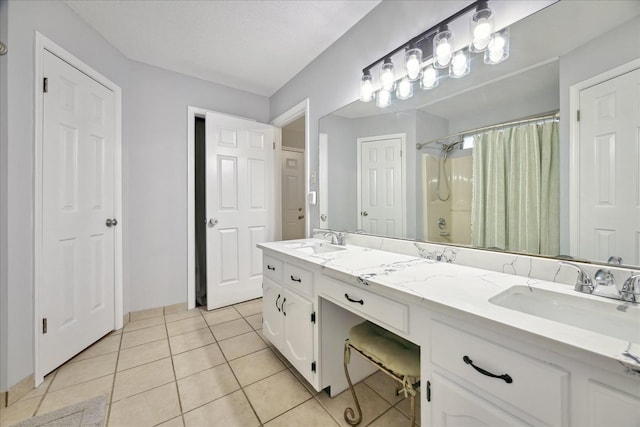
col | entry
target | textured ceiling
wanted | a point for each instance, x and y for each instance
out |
(257, 46)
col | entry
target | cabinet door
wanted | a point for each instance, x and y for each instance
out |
(455, 406)
(611, 407)
(272, 297)
(298, 333)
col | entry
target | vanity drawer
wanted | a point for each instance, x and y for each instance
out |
(272, 268)
(381, 310)
(298, 279)
(539, 389)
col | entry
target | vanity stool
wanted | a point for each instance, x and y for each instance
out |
(393, 355)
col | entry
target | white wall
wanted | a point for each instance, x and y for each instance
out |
(154, 129)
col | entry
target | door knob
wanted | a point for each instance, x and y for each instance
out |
(300, 216)
(364, 213)
(111, 222)
(323, 217)
(212, 222)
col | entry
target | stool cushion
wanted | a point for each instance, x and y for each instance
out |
(386, 348)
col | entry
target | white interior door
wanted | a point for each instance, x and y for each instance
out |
(240, 206)
(78, 258)
(293, 203)
(381, 200)
(609, 180)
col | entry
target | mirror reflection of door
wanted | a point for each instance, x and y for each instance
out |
(293, 206)
(380, 185)
(609, 181)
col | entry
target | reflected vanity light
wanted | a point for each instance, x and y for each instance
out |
(432, 50)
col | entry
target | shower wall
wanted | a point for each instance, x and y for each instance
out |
(456, 210)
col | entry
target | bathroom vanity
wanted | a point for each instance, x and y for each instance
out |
(496, 348)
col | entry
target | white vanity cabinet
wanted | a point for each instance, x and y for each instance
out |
(478, 381)
(288, 314)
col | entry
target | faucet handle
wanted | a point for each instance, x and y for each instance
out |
(631, 289)
(583, 281)
(604, 277)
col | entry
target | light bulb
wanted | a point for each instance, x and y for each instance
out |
(495, 55)
(459, 65)
(442, 48)
(386, 76)
(498, 48)
(405, 90)
(481, 29)
(366, 88)
(413, 62)
(383, 99)
(429, 78)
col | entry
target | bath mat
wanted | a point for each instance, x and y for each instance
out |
(90, 413)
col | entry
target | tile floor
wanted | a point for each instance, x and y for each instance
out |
(199, 368)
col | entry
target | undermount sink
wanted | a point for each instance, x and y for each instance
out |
(608, 317)
(318, 248)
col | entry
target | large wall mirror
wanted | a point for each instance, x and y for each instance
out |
(488, 160)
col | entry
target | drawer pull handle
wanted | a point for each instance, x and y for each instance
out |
(296, 279)
(507, 379)
(277, 302)
(357, 301)
(272, 268)
(282, 306)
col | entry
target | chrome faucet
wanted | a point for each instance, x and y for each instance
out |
(631, 289)
(337, 238)
(583, 282)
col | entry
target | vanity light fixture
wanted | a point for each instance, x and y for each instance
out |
(432, 50)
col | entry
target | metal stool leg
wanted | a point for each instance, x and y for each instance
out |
(349, 414)
(412, 423)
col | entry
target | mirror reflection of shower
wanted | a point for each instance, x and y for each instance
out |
(444, 191)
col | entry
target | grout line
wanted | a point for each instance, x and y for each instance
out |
(113, 383)
(55, 374)
(175, 378)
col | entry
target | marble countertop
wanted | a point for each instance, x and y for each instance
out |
(466, 289)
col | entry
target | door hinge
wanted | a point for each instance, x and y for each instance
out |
(274, 145)
(578, 115)
(313, 366)
(44, 325)
(428, 391)
(45, 85)
(313, 317)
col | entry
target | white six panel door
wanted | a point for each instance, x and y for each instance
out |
(240, 198)
(381, 204)
(293, 195)
(610, 170)
(77, 291)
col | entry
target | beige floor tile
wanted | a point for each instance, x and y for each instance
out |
(275, 395)
(18, 411)
(175, 308)
(232, 410)
(41, 389)
(144, 323)
(116, 332)
(141, 354)
(222, 331)
(241, 345)
(76, 394)
(84, 370)
(256, 366)
(405, 407)
(183, 326)
(105, 345)
(173, 422)
(391, 418)
(146, 314)
(280, 356)
(372, 405)
(143, 336)
(221, 315)
(142, 378)
(309, 414)
(255, 321)
(304, 382)
(179, 315)
(263, 338)
(385, 386)
(206, 386)
(146, 409)
(249, 308)
(197, 360)
(191, 340)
